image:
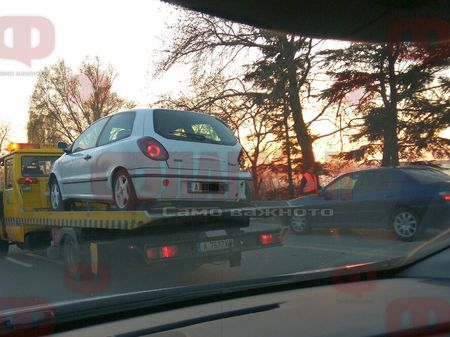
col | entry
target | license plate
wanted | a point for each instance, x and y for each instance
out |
(210, 246)
(195, 187)
(206, 187)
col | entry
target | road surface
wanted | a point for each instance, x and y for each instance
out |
(26, 274)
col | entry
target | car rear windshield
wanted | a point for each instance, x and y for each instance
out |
(37, 166)
(192, 127)
(427, 176)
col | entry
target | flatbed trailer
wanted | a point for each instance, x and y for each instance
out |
(89, 236)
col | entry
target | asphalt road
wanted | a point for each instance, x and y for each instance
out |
(26, 274)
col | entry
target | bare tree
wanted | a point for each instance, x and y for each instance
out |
(272, 72)
(64, 103)
(206, 42)
(5, 132)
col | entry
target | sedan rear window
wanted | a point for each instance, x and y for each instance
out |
(427, 176)
(192, 126)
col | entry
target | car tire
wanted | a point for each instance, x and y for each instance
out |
(299, 225)
(56, 201)
(72, 257)
(124, 195)
(406, 224)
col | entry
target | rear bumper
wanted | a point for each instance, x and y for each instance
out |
(149, 185)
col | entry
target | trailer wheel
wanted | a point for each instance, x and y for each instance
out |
(124, 194)
(4, 247)
(72, 257)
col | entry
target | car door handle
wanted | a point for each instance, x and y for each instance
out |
(87, 157)
(389, 196)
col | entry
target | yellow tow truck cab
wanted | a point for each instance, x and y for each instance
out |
(26, 217)
(24, 173)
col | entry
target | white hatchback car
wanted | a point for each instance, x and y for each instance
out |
(148, 156)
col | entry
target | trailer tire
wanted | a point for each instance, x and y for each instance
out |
(4, 248)
(72, 257)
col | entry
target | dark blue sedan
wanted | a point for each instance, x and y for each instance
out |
(407, 199)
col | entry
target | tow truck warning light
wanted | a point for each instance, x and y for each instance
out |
(21, 146)
(27, 146)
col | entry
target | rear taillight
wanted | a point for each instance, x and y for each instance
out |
(169, 251)
(266, 239)
(27, 181)
(164, 252)
(269, 239)
(152, 148)
(445, 196)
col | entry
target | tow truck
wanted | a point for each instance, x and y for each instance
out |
(96, 235)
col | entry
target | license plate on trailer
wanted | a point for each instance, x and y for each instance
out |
(210, 246)
(195, 187)
(206, 187)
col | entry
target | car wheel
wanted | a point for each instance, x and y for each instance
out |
(72, 259)
(56, 200)
(299, 225)
(124, 194)
(406, 224)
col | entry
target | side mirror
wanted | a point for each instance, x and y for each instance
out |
(63, 146)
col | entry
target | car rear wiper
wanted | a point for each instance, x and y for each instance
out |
(195, 136)
(188, 135)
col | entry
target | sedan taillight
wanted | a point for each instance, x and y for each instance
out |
(152, 148)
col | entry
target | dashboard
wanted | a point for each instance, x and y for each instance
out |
(414, 302)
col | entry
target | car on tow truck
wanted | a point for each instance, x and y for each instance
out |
(151, 156)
